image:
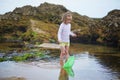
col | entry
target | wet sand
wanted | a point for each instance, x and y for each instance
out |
(13, 78)
(28, 71)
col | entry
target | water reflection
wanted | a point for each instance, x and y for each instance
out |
(111, 63)
(63, 74)
(100, 67)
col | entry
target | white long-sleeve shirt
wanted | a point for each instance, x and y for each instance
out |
(64, 32)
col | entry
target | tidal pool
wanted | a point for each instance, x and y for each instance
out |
(92, 62)
(86, 67)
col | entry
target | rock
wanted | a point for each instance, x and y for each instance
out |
(94, 30)
(46, 7)
(2, 55)
(49, 46)
(26, 11)
(13, 78)
(111, 29)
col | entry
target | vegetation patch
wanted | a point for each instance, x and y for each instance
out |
(24, 56)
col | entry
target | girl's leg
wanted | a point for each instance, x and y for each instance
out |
(67, 52)
(62, 55)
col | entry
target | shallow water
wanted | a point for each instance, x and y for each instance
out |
(86, 67)
(92, 62)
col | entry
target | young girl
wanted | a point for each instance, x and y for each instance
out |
(64, 33)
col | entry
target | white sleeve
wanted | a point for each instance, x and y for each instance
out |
(60, 32)
(71, 33)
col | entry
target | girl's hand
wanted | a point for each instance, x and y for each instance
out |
(74, 35)
(59, 42)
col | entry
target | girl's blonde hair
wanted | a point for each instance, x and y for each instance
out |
(65, 15)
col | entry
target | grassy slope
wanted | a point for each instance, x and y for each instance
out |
(40, 24)
(45, 31)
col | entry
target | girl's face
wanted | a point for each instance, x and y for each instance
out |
(68, 19)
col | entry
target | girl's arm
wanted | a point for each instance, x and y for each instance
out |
(72, 34)
(59, 33)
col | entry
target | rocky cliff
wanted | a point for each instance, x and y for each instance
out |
(40, 24)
